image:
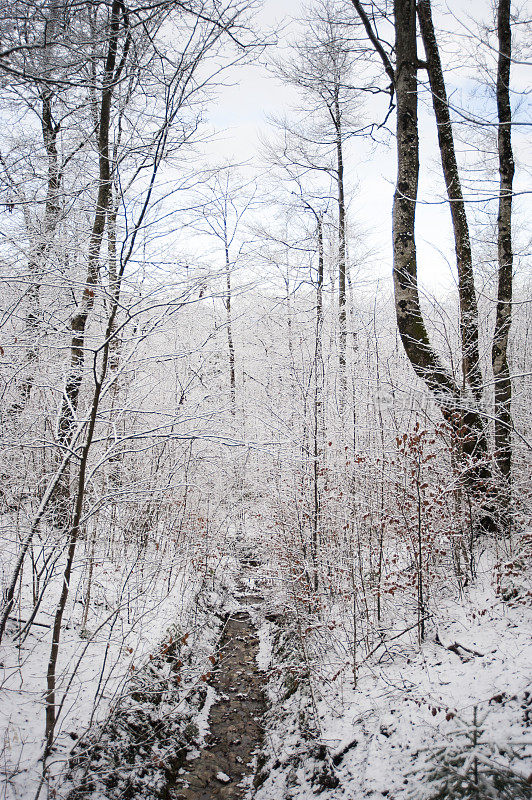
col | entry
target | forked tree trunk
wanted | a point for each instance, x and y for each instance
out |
(409, 318)
(465, 422)
(503, 319)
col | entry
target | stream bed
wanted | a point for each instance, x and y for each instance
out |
(235, 728)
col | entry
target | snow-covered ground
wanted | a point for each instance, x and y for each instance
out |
(139, 602)
(377, 731)
(326, 735)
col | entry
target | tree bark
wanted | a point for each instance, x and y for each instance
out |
(409, 318)
(51, 213)
(41, 245)
(318, 406)
(78, 322)
(466, 423)
(230, 342)
(472, 374)
(503, 319)
(50, 704)
(342, 315)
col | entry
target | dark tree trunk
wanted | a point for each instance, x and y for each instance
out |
(472, 375)
(503, 319)
(466, 423)
(75, 528)
(409, 318)
(342, 313)
(78, 322)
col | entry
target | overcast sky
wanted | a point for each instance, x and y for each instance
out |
(240, 117)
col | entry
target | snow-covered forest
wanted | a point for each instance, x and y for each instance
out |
(265, 373)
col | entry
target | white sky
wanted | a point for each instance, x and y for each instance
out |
(241, 117)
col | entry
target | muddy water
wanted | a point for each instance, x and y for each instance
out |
(234, 720)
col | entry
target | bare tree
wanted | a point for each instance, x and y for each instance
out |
(223, 202)
(503, 319)
(123, 53)
(323, 71)
(31, 75)
(464, 415)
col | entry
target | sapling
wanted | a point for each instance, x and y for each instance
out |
(468, 765)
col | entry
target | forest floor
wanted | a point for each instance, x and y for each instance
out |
(413, 712)
(283, 723)
(250, 695)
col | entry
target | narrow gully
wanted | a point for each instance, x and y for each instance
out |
(235, 729)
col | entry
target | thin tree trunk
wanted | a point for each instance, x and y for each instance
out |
(318, 406)
(115, 343)
(230, 342)
(50, 711)
(41, 246)
(342, 315)
(114, 355)
(78, 322)
(45, 502)
(50, 217)
(503, 320)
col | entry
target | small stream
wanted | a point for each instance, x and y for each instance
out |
(235, 729)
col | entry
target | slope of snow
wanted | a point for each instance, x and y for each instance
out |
(374, 738)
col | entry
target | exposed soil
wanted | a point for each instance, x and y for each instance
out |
(234, 719)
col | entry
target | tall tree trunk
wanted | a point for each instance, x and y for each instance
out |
(114, 355)
(74, 532)
(41, 245)
(342, 315)
(51, 212)
(472, 375)
(318, 406)
(115, 342)
(503, 319)
(409, 318)
(78, 323)
(466, 423)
